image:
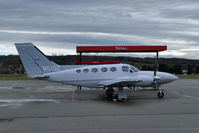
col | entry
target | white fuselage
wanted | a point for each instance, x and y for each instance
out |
(91, 76)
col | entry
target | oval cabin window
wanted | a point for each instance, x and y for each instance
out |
(104, 69)
(113, 69)
(78, 71)
(94, 70)
(85, 70)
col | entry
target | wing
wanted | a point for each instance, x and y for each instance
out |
(120, 82)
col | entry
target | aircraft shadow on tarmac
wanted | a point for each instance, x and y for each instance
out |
(99, 95)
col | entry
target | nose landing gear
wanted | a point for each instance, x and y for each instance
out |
(160, 94)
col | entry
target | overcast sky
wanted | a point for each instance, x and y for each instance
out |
(58, 26)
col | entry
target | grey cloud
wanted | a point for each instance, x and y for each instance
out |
(137, 22)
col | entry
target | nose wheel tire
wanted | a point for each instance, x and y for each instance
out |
(160, 94)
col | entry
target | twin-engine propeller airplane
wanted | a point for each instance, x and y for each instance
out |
(93, 76)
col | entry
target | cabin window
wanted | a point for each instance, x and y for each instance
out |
(78, 71)
(94, 70)
(113, 69)
(104, 69)
(85, 70)
(125, 68)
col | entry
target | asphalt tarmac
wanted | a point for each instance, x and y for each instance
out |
(36, 106)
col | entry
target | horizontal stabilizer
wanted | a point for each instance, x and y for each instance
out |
(40, 76)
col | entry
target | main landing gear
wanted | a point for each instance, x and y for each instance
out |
(109, 93)
(120, 97)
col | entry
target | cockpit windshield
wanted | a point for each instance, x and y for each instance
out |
(134, 69)
(128, 68)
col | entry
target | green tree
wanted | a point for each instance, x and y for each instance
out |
(177, 69)
(190, 69)
(144, 67)
(171, 70)
(197, 69)
(163, 67)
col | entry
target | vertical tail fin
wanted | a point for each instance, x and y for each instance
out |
(34, 61)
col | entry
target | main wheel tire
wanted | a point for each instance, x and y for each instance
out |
(160, 94)
(109, 94)
(119, 99)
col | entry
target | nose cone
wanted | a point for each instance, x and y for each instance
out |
(167, 77)
(172, 77)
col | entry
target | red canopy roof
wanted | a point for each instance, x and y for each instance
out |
(87, 49)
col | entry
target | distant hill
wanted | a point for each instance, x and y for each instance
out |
(12, 63)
